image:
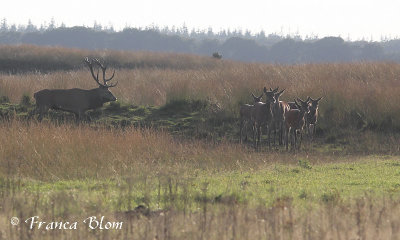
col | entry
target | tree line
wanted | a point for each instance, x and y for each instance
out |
(234, 45)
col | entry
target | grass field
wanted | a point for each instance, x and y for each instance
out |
(165, 158)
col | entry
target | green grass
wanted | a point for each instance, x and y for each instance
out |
(313, 185)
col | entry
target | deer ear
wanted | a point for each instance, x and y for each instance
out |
(308, 98)
(265, 89)
(275, 90)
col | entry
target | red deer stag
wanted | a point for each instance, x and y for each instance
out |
(295, 121)
(76, 100)
(247, 116)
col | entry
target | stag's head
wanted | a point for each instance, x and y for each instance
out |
(104, 92)
(270, 95)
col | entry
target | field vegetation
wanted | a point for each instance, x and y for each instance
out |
(165, 159)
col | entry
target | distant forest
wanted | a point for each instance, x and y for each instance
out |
(235, 45)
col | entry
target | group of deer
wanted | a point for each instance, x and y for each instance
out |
(286, 117)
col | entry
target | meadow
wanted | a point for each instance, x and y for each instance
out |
(165, 159)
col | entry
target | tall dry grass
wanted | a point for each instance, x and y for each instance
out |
(363, 218)
(31, 58)
(368, 89)
(51, 152)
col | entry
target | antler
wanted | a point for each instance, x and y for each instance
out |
(104, 68)
(89, 62)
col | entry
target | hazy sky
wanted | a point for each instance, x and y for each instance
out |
(357, 18)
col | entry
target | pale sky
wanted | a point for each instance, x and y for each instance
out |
(346, 18)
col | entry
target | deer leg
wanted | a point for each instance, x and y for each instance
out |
(275, 129)
(42, 110)
(78, 116)
(287, 137)
(246, 130)
(258, 135)
(307, 130)
(301, 138)
(88, 118)
(255, 135)
(241, 131)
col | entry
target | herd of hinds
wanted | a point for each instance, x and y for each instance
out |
(289, 119)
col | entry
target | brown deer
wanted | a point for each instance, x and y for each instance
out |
(263, 115)
(312, 116)
(279, 109)
(76, 100)
(295, 121)
(247, 116)
(270, 100)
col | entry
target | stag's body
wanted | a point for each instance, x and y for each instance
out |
(279, 109)
(75, 100)
(295, 121)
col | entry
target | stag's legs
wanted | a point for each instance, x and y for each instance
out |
(81, 116)
(41, 110)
